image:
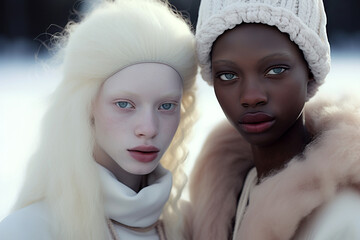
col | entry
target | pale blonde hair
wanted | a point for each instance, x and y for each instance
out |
(63, 172)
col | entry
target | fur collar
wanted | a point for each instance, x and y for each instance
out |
(332, 161)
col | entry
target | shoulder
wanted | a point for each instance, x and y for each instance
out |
(326, 112)
(339, 219)
(31, 222)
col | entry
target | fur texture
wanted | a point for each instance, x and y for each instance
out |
(216, 179)
(330, 163)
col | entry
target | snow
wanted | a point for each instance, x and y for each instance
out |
(25, 84)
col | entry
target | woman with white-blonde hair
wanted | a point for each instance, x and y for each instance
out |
(126, 100)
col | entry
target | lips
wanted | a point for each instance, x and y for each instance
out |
(144, 153)
(256, 122)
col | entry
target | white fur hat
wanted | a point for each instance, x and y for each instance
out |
(121, 33)
(303, 20)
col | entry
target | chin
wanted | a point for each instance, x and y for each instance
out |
(258, 140)
(143, 170)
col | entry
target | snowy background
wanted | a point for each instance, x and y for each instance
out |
(25, 82)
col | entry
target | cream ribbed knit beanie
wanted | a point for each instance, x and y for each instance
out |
(303, 20)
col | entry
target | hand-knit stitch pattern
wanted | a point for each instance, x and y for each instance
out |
(304, 21)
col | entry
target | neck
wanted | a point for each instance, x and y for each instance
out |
(133, 181)
(275, 156)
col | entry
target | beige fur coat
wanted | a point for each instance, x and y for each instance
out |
(284, 201)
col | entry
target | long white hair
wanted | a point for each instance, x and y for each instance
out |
(63, 172)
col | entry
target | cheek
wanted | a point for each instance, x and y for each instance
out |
(169, 125)
(227, 98)
(290, 101)
(109, 126)
(103, 120)
(221, 95)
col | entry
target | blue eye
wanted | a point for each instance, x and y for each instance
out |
(277, 70)
(227, 76)
(167, 106)
(124, 104)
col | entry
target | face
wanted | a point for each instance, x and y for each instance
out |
(260, 80)
(136, 114)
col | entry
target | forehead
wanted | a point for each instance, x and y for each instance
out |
(253, 39)
(144, 77)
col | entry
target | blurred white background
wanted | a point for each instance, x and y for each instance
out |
(25, 84)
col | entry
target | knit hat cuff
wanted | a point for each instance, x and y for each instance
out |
(316, 50)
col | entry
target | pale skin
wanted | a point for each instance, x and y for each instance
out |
(136, 109)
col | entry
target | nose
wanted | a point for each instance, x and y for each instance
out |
(253, 94)
(147, 125)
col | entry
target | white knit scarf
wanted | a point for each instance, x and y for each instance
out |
(141, 209)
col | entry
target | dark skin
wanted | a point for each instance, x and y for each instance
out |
(260, 80)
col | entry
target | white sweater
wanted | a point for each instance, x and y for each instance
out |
(120, 202)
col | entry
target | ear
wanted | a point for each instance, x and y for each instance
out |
(310, 80)
(310, 83)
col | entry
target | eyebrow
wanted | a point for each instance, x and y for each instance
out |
(222, 61)
(275, 55)
(264, 59)
(174, 94)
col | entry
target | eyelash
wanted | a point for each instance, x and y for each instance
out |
(234, 76)
(283, 69)
(129, 105)
(221, 76)
(172, 107)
